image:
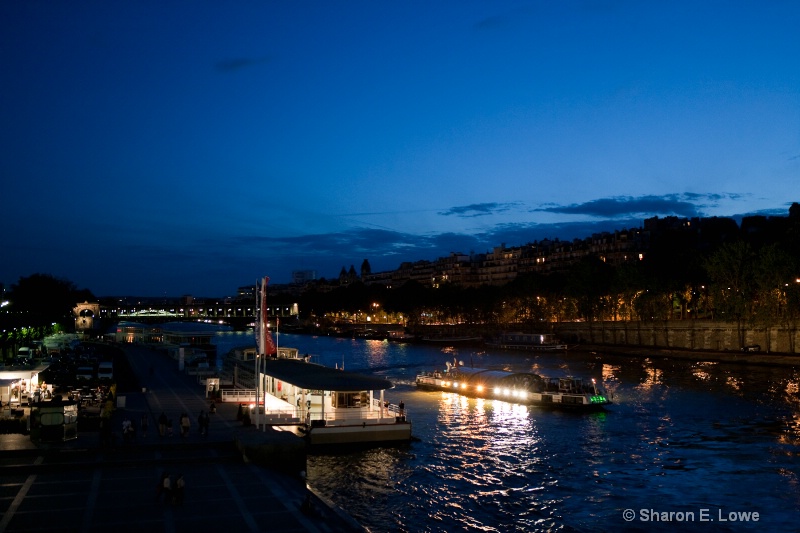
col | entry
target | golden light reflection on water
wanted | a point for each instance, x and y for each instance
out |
(733, 382)
(376, 352)
(653, 377)
(702, 370)
(609, 372)
(791, 434)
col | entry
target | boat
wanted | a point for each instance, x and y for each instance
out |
(329, 406)
(540, 342)
(569, 393)
(326, 405)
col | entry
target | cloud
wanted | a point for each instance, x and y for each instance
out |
(219, 263)
(682, 205)
(479, 210)
(234, 64)
(523, 233)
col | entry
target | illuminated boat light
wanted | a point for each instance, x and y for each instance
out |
(560, 393)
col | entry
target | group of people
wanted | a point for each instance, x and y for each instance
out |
(169, 492)
(185, 423)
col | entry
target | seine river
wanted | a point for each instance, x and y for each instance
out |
(695, 446)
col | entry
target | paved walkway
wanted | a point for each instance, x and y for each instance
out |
(83, 486)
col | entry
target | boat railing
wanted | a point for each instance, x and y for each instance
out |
(389, 409)
(364, 416)
(238, 395)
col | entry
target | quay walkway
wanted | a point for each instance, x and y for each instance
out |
(87, 485)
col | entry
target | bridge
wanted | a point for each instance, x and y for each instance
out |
(239, 315)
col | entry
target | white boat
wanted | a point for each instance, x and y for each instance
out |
(517, 387)
(543, 342)
(327, 405)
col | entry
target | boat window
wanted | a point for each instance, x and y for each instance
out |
(346, 399)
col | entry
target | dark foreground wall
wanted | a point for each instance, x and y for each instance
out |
(680, 334)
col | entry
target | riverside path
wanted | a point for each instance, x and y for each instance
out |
(88, 486)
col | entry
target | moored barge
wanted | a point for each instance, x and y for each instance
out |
(536, 342)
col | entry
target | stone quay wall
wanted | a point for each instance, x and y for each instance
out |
(700, 335)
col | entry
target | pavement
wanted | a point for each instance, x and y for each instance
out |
(87, 485)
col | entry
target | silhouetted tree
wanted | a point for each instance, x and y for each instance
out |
(774, 273)
(42, 299)
(732, 270)
(588, 282)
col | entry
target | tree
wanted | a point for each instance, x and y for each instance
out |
(731, 269)
(44, 299)
(589, 281)
(773, 276)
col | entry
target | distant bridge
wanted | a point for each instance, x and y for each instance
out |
(237, 315)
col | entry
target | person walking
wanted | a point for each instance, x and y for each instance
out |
(127, 430)
(143, 425)
(185, 425)
(162, 424)
(180, 485)
(202, 422)
(163, 488)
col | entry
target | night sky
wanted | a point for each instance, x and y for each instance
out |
(168, 148)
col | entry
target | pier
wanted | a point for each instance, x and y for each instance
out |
(89, 485)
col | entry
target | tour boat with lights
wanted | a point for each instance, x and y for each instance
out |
(517, 387)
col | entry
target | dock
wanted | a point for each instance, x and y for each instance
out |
(98, 485)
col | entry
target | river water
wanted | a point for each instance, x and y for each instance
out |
(688, 445)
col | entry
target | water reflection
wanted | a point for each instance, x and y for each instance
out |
(702, 370)
(493, 450)
(654, 376)
(681, 435)
(376, 351)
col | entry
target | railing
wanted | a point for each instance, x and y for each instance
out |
(238, 395)
(279, 415)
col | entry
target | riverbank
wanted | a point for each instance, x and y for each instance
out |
(747, 358)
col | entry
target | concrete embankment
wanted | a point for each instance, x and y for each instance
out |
(753, 358)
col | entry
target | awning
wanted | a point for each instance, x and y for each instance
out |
(318, 377)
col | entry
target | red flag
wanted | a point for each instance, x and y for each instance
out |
(268, 347)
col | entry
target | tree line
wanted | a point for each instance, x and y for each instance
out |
(747, 276)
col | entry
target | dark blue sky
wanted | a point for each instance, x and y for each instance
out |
(189, 148)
